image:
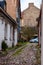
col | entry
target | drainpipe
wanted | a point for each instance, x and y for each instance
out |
(18, 15)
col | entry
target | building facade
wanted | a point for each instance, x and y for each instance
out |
(29, 16)
(14, 10)
(9, 21)
(11, 8)
(8, 29)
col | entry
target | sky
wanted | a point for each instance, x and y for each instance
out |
(25, 3)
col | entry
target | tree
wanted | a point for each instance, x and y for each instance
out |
(28, 32)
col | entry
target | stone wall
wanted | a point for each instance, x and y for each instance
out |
(30, 15)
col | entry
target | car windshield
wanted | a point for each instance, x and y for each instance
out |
(35, 37)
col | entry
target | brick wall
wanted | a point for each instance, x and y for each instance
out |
(30, 15)
(11, 8)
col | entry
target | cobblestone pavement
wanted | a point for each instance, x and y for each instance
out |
(26, 57)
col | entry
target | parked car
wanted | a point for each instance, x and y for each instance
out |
(34, 40)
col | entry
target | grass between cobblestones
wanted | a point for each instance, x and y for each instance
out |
(19, 45)
(19, 51)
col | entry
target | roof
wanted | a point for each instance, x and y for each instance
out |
(31, 6)
(4, 13)
(22, 13)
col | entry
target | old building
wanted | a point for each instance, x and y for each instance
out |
(11, 8)
(9, 21)
(14, 10)
(29, 16)
(8, 29)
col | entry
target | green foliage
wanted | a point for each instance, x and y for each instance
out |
(20, 44)
(4, 46)
(19, 50)
(28, 32)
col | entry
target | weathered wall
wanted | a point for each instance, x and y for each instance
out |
(1, 32)
(29, 16)
(9, 34)
(11, 8)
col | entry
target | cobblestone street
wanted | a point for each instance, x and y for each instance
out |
(26, 57)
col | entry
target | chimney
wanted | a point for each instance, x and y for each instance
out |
(31, 4)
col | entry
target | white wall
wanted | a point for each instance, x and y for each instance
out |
(2, 34)
(15, 37)
(9, 42)
(1, 31)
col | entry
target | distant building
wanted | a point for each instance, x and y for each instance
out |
(29, 16)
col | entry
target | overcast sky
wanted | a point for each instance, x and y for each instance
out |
(24, 3)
